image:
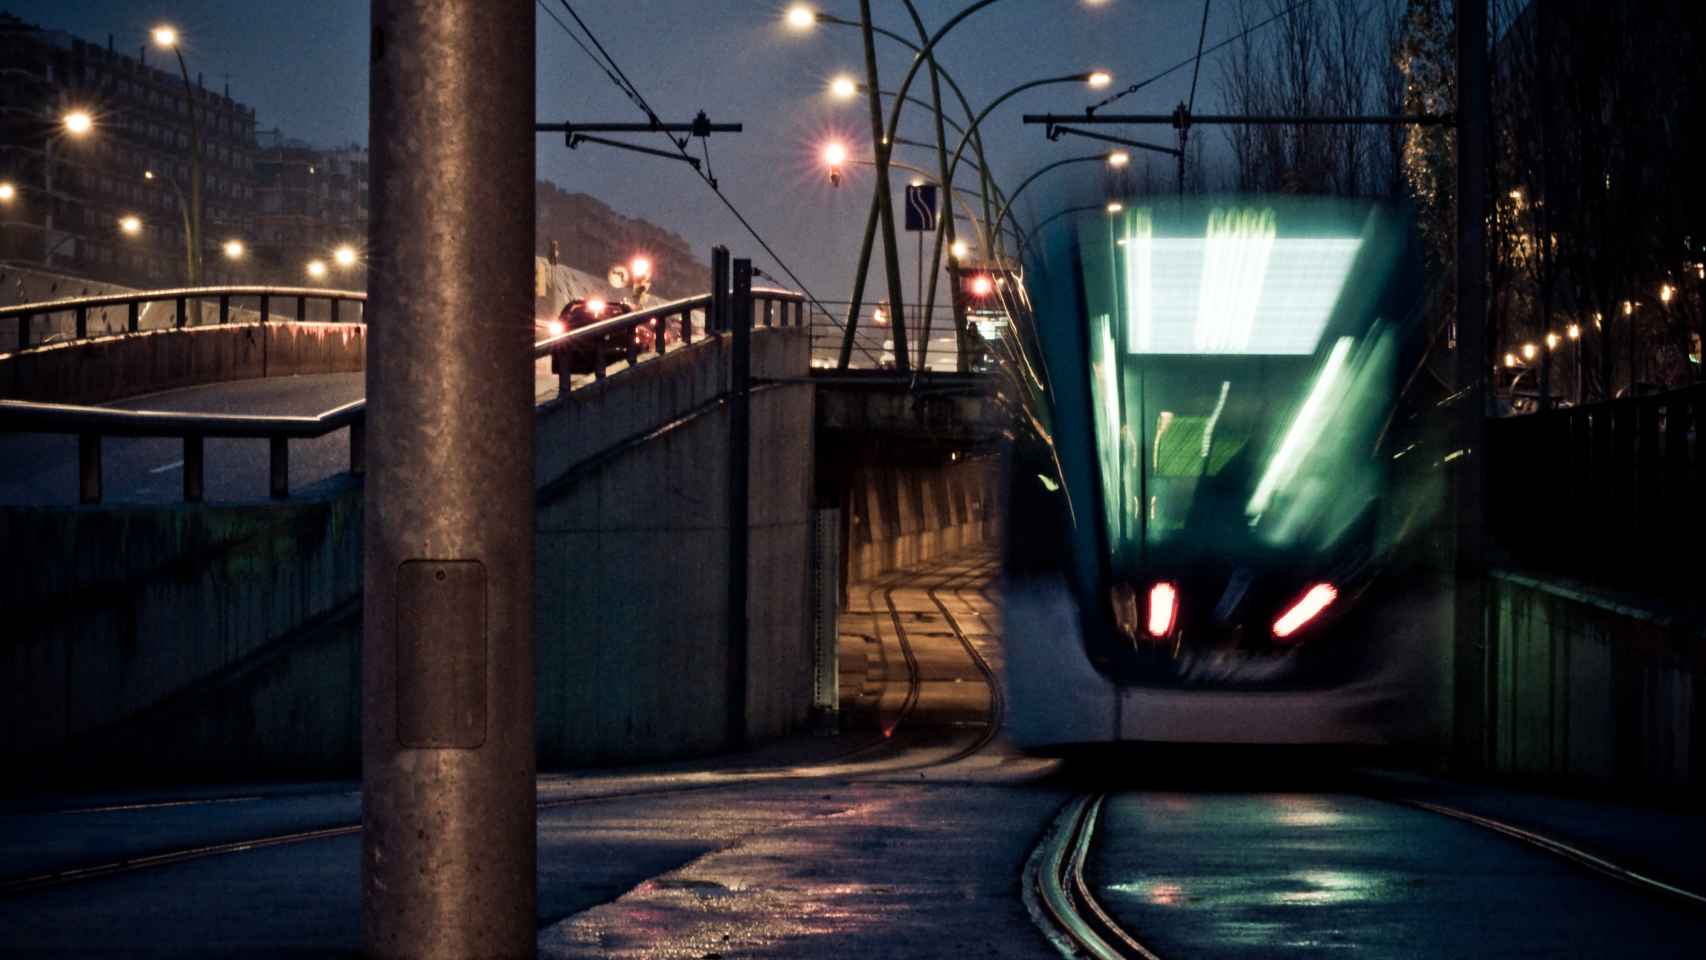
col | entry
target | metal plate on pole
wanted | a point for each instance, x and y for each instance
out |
(921, 208)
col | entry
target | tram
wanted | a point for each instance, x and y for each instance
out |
(1212, 532)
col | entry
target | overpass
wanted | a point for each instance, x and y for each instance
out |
(210, 441)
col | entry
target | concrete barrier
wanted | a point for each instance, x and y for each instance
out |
(131, 364)
(222, 641)
(1592, 689)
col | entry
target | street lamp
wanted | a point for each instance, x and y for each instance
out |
(130, 224)
(959, 249)
(344, 255)
(233, 249)
(1118, 158)
(317, 269)
(184, 212)
(843, 87)
(1099, 79)
(1529, 350)
(801, 17)
(78, 122)
(1107, 158)
(834, 157)
(166, 37)
(8, 191)
(1114, 206)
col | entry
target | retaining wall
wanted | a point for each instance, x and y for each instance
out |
(222, 641)
(1593, 689)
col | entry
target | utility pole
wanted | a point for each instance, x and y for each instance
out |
(448, 798)
(1472, 660)
(740, 469)
(885, 203)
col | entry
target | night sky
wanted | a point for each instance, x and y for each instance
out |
(303, 65)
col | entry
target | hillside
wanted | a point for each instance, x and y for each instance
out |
(591, 237)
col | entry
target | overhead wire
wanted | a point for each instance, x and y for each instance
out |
(614, 71)
(1196, 59)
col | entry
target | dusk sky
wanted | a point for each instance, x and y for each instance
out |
(303, 66)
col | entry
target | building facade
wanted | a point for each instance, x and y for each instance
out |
(111, 203)
(310, 203)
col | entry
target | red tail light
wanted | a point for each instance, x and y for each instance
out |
(1163, 609)
(1307, 608)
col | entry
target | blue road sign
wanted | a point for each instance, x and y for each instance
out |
(921, 208)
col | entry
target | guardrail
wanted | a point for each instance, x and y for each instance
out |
(1608, 492)
(80, 308)
(767, 307)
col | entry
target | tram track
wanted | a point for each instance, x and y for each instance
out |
(1065, 908)
(823, 769)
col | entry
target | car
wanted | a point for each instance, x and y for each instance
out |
(582, 312)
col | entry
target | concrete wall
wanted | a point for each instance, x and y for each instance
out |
(181, 639)
(898, 516)
(1594, 689)
(632, 577)
(221, 641)
(125, 365)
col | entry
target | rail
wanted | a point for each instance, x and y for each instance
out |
(79, 309)
(1607, 492)
(767, 307)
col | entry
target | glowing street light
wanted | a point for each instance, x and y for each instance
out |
(78, 122)
(1628, 308)
(344, 255)
(130, 224)
(1099, 79)
(164, 36)
(834, 156)
(233, 249)
(959, 249)
(1118, 158)
(843, 87)
(8, 192)
(1551, 341)
(1510, 360)
(1529, 350)
(640, 268)
(1115, 206)
(1575, 331)
(801, 17)
(317, 269)
(1666, 292)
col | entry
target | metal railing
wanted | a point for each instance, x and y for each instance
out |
(1607, 492)
(212, 305)
(616, 336)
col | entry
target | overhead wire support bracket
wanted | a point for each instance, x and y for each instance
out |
(699, 126)
(1054, 132)
(576, 139)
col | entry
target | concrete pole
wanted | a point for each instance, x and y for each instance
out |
(448, 808)
(1472, 661)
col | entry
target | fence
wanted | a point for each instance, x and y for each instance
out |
(80, 318)
(592, 348)
(873, 338)
(1608, 492)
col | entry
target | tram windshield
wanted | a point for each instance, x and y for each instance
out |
(1237, 383)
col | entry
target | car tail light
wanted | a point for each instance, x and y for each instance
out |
(1163, 609)
(1307, 608)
